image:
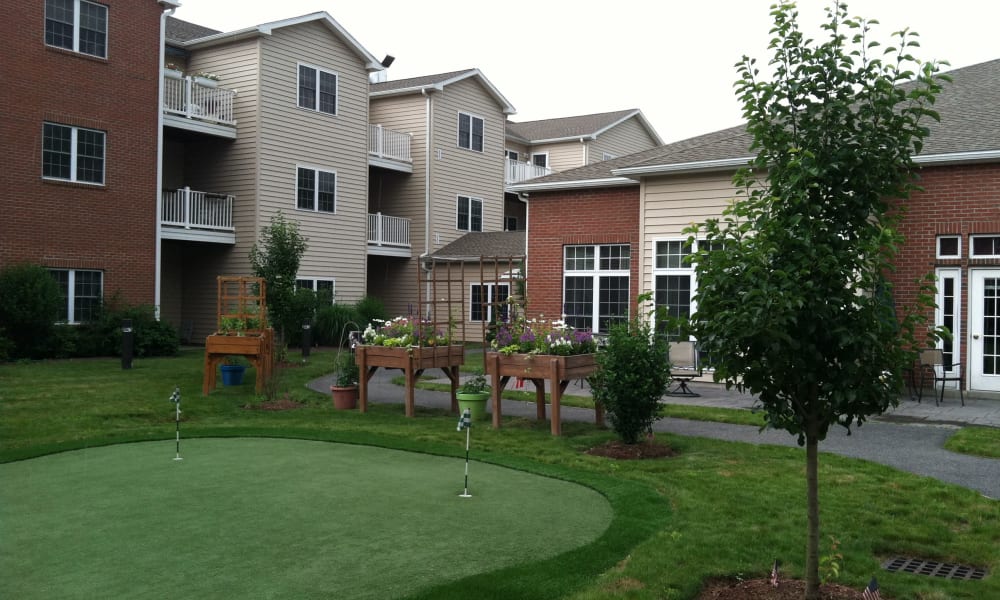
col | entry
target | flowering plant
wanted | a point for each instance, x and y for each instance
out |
(537, 336)
(401, 331)
(207, 75)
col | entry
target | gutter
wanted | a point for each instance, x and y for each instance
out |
(578, 184)
(724, 164)
(957, 158)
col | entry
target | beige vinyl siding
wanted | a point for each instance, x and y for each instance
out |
(563, 156)
(394, 280)
(623, 139)
(225, 167)
(293, 137)
(464, 172)
(669, 204)
(523, 154)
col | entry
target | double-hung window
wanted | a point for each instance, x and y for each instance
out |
(316, 190)
(469, 214)
(596, 286)
(322, 287)
(72, 153)
(77, 25)
(488, 300)
(317, 89)
(470, 132)
(673, 278)
(81, 293)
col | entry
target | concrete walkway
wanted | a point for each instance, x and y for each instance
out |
(910, 437)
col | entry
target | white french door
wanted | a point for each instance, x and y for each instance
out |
(984, 330)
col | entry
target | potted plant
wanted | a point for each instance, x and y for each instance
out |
(473, 394)
(173, 71)
(345, 387)
(209, 80)
(233, 368)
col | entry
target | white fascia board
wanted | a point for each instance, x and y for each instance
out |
(572, 185)
(507, 107)
(953, 158)
(433, 87)
(724, 164)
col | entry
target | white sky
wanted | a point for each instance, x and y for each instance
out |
(559, 58)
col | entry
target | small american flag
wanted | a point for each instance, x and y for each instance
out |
(774, 573)
(465, 421)
(871, 592)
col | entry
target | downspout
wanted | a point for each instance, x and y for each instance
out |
(584, 143)
(158, 261)
(427, 172)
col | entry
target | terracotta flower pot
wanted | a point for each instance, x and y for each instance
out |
(344, 398)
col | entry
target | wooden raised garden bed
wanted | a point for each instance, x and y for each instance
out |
(413, 360)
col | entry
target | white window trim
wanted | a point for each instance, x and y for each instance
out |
(76, 29)
(482, 212)
(490, 300)
(606, 156)
(956, 335)
(509, 153)
(596, 273)
(298, 76)
(532, 159)
(71, 293)
(314, 280)
(972, 238)
(74, 155)
(506, 222)
(315, 208)
(683, 270)
(937, 246)
(458, 131)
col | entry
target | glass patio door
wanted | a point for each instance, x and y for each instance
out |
(984, 330)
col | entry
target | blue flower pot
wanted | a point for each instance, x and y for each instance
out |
(232, 374)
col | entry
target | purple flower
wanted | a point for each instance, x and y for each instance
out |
(504, 337)
(528, 336)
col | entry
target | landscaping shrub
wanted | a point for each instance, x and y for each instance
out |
(334, 322)
(103, 336)
(301, 306)
(370, 308)
(29, 307)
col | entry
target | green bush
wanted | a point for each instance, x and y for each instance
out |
(6, 346)
(634, 375)
(334, 323)
(302, 306)
(368, 309)
(29, 306)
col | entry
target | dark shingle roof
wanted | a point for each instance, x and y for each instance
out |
(417, 82)
(183, 31)
(487, 243)
(566, 127)
(970, 121)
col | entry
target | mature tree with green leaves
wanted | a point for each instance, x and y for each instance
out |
(276, 258)
(793, 301)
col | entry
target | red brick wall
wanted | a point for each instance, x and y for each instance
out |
(557, 219)
(960, 200)
(111, 227)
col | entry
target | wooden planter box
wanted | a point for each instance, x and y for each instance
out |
(256, 348)
(413, 360)
(539, 368)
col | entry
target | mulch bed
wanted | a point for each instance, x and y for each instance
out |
(761, 589)
(619, 450)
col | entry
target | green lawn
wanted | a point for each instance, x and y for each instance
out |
(979, 441)
(717, 509)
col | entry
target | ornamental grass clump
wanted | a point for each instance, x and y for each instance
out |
(400, 332)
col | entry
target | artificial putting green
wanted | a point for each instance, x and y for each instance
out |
(273, 518)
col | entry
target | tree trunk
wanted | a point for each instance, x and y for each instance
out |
(812, 494)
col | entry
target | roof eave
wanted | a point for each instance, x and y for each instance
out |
(571, 185)
(958, 158)
(725, 164)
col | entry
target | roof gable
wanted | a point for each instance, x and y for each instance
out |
(436, 83)
(473, 245)
(576, 127)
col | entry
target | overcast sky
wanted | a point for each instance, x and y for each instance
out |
(557, 58)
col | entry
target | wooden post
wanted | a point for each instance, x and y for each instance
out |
(495, 392)
(362, 359)
(556, 395)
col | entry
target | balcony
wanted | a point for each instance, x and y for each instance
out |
(389, 149)
(198, 104)
(520, 171)
(195, 216)
(388, 236)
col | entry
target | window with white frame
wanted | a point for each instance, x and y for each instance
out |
(596, 286)
(510, 223)
(317, 89)
(540, 160)
(948, 300)
(487, 300)
(470, 132)
(469, 214)
(674, 281)
(72, 153)
(984, 246)
(81, 291)
(316, 190)
(949, 246)
(322, 286)
(511, 154)
(607, 156)
(77, 25)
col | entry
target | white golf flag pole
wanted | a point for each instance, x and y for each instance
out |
(465, 422)
(176, 399)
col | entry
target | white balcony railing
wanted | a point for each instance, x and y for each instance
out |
(384, 230)
(520, 171)
(191, 209)
(195, 98)
(386, 143)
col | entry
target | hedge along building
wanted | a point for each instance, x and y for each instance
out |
(952, 227)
